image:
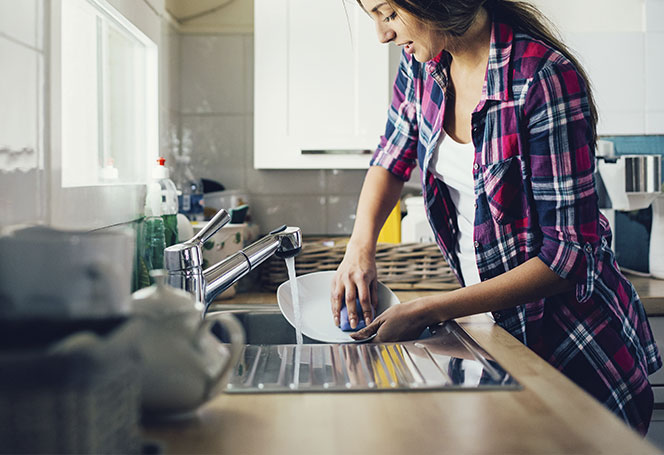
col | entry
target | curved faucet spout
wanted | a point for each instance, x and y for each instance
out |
(291, 241)
(185, 264)
(283, 242)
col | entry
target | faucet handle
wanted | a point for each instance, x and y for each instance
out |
(189, 254)
(217, 222)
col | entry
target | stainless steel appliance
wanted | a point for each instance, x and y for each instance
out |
(628, 184)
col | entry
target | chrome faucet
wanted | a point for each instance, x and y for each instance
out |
(184, 261)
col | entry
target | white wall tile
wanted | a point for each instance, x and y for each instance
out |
(20, 94)
(306, 212)
(249, 142)
(22, 197)
(169, 122)
(346, 181)
(341, 213)
(654, 88)
(286, 182)
(615, 63)
(655, 122)
(19, 20)
(213, 78)
(218, 148)
(249, 74)
(654, 15)
(169, 96)
(96, 207)
(594, 15)
(620, 122)
(174, 63)
(654, 65)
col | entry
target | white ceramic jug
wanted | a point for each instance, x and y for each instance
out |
(183, 362)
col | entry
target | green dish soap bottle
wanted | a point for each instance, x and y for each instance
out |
(152, 236)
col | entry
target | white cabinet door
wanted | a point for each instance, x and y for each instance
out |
(322, 84)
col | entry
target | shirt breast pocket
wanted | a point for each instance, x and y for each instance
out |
(503, 186)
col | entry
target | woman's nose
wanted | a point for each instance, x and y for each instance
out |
(384, 32)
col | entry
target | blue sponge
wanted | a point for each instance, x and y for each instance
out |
(344, 323)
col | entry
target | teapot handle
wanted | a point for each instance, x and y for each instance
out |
(236, 332)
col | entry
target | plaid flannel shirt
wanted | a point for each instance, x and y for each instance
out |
(535, 197)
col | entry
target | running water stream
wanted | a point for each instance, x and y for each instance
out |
(297, 314)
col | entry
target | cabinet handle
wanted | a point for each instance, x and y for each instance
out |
(337, 152)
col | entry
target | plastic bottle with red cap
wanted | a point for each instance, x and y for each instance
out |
(169, 200)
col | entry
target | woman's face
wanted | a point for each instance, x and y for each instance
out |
(417, 39)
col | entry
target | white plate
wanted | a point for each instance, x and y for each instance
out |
(317, 322)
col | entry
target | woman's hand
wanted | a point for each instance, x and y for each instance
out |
(398, 323)
(356, 277)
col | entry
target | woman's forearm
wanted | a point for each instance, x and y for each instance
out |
(528, 282)
(380, 193)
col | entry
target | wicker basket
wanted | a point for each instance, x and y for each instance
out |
(405, 266)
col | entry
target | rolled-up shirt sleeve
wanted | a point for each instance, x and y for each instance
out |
(561, 146)
(397, 150)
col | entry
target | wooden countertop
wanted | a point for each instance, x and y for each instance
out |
(651, 292)
(549, 415)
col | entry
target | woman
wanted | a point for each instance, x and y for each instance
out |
(500, 118)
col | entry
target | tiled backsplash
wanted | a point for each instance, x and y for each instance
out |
(216, 96)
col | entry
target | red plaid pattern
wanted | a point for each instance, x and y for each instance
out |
(535, 196)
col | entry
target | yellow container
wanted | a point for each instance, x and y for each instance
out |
(391, 231)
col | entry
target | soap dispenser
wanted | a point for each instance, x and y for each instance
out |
(184, 363)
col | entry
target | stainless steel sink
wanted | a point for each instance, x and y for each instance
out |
(446, 358)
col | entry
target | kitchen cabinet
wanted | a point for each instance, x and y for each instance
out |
(322, 85)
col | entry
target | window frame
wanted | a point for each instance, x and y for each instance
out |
(98, 204)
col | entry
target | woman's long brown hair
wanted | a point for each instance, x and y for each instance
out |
(456, 16)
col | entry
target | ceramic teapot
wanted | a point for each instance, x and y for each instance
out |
(183, 362)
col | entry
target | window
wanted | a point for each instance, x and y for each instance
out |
(107, 102)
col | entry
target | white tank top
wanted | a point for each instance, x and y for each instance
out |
(452, 163)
